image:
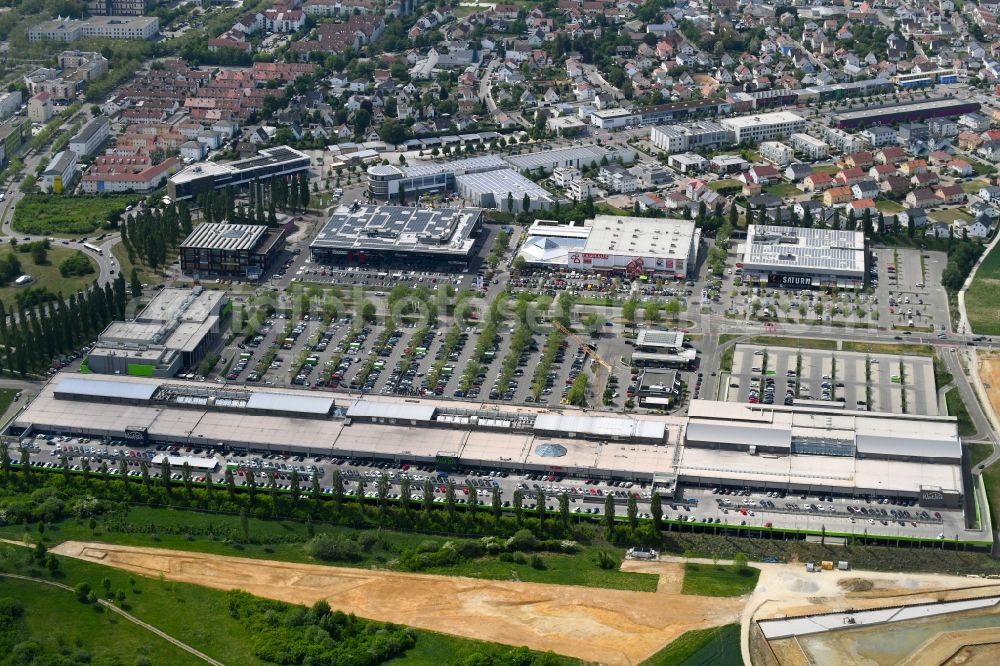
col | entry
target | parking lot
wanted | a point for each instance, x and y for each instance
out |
(720, 506)
(904, 293)
(863, 382)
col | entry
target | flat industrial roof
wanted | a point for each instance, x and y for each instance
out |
(641, 236)
(906, 107)
(466, 165)
(395, 437)
(817, 249)
(86, 387)
(401, 228)
(500, 183)
(773, 118)
(655, 338)
(292, 403)
(571, 155)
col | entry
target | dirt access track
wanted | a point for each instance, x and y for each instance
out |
(989, 372)
(596, 625)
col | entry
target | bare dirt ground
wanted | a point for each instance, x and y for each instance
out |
(976, 655)
(989, 372)
(596, 625)
(788, 590)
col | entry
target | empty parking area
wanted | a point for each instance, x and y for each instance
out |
(856, 380)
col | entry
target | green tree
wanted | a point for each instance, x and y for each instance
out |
(541, 506)
(656, 510)
(564, 509)
(609, 512)
(632, 511)
(338, 488)
(518, 503)
(135, 285)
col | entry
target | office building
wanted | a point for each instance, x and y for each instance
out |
(243, 251)
(60, 173)
(764, 126)
(91, 136)
(280, 161)
(173, 332)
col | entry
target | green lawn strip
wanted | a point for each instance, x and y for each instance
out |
(804, 343)
(59, 215)
(284, 540)
(991, 483)
(712, 580)
(558, 569)
(980, 298)
(147, 275)
(978, 452)
(888, 348)
(718, 646)
(6, 398)
(957, 408)
(47, 275)
(942, 377)
(59, 624)
(435, 648)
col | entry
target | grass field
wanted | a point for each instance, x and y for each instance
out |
(973, 186)
(146, 274)
(991, 483)
(712, 580)
(888, 206)
(723, 183)
(171, 607)
(6, 398)
(58, 215)
(888, 348)
(60, 624)
(981, 299)
(559, 569)
(48, 275)
(284, 539)
(782, 190)
(978, 453)
(804, 343)
(435, 648)
(719, 646)
(957, 408)
(950, 215)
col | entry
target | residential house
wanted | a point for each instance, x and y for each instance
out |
(918, 217)
(866, 189)
(890, 155)
(859, 206)
(913, 167)
(850, 176)
(836, 195)
(980, 228)
(861, 159)
(762, 174)
(960, 168)
(922, 198)
(926, 179)
(882, 171)
(817, 182)
(950, 194)
(895, 186)
(797, 172)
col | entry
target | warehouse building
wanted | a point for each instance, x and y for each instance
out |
(764, 126)
(804, 258)
(638, 246)
(410, 236)
(173, 332)
(571, 156)
(760, 447)
(505, 190)
(393, 183)
(906, 112)
(242, 251)
(806, 449)
(280, 161)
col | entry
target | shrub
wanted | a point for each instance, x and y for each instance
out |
(523, 540)
(82, 592)
(537, 562)
(329, 548)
